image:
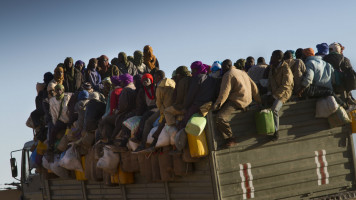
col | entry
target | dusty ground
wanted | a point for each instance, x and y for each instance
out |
(10, 194)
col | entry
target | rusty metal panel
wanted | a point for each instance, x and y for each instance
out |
(65, 189)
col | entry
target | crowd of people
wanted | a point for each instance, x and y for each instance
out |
(93, 101)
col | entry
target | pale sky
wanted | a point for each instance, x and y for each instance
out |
(37, 35)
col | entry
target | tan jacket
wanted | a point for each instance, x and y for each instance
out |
(164, 94)
(281, 81)
(298, 68)
(238, 87)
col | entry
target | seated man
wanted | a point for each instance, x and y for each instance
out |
(183, 77)
(317, 80)
(236, 93)
(201, 91)
(281, 84)
(58, 106)
(297, 67)
(164, 99)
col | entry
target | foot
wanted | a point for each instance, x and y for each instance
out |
(138, 149)
(275, 136)
(230, 142)
(135, 140)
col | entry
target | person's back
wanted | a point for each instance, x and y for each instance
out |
(297, 67)
(237, 87)
(201, 90)
(318, 72)
(256, 72)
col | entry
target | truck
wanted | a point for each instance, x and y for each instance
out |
(310, 160)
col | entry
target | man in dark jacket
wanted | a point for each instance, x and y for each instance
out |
(341, 65)
(72, 77)
(201, 91)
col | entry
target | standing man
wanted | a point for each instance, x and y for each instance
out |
(236, 93)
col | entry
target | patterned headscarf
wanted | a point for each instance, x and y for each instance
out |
(148, 57)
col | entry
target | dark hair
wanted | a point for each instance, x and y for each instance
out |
(299, 53)
(261, 60)
(227, 62)
(249, 58)
(160, 73)
(287, 55)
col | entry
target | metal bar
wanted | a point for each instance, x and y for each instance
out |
(167, 190)
(84, 191)
(123, 191)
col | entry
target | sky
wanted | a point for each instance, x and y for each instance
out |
(37, 35)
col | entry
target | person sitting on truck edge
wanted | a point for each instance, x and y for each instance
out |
(145, 107)
(105, 69)
(58, 108)
(299, 54)
(341, 64)
(256, 72)
(150, 60)
(73, 78)
(317, 80)
(124, 110)
(201, 92)
(250, 61)
(108, 122)
(183, 78)
(164, 98)
(141, 68)
(125, 66)
(297, 67)
(236, 93)
(281, 84)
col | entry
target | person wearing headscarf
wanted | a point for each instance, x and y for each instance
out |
(240, 64)
(216, 70)
(173, 112)
(105, 69)
(58, 106)
(58, 76)
(341, 65)
(236, 93)
(114, 96)
(250, 61)
(130, 58)
(92, 75)
(280, 80)
(124, 111)
(138, 62)
(106, 91)
(80, 65)
(317, 80)
(323, 49)
(73, 78)
(297, 67)
(201, 92)
(145, 107)
(125, 66)
(149, 59)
